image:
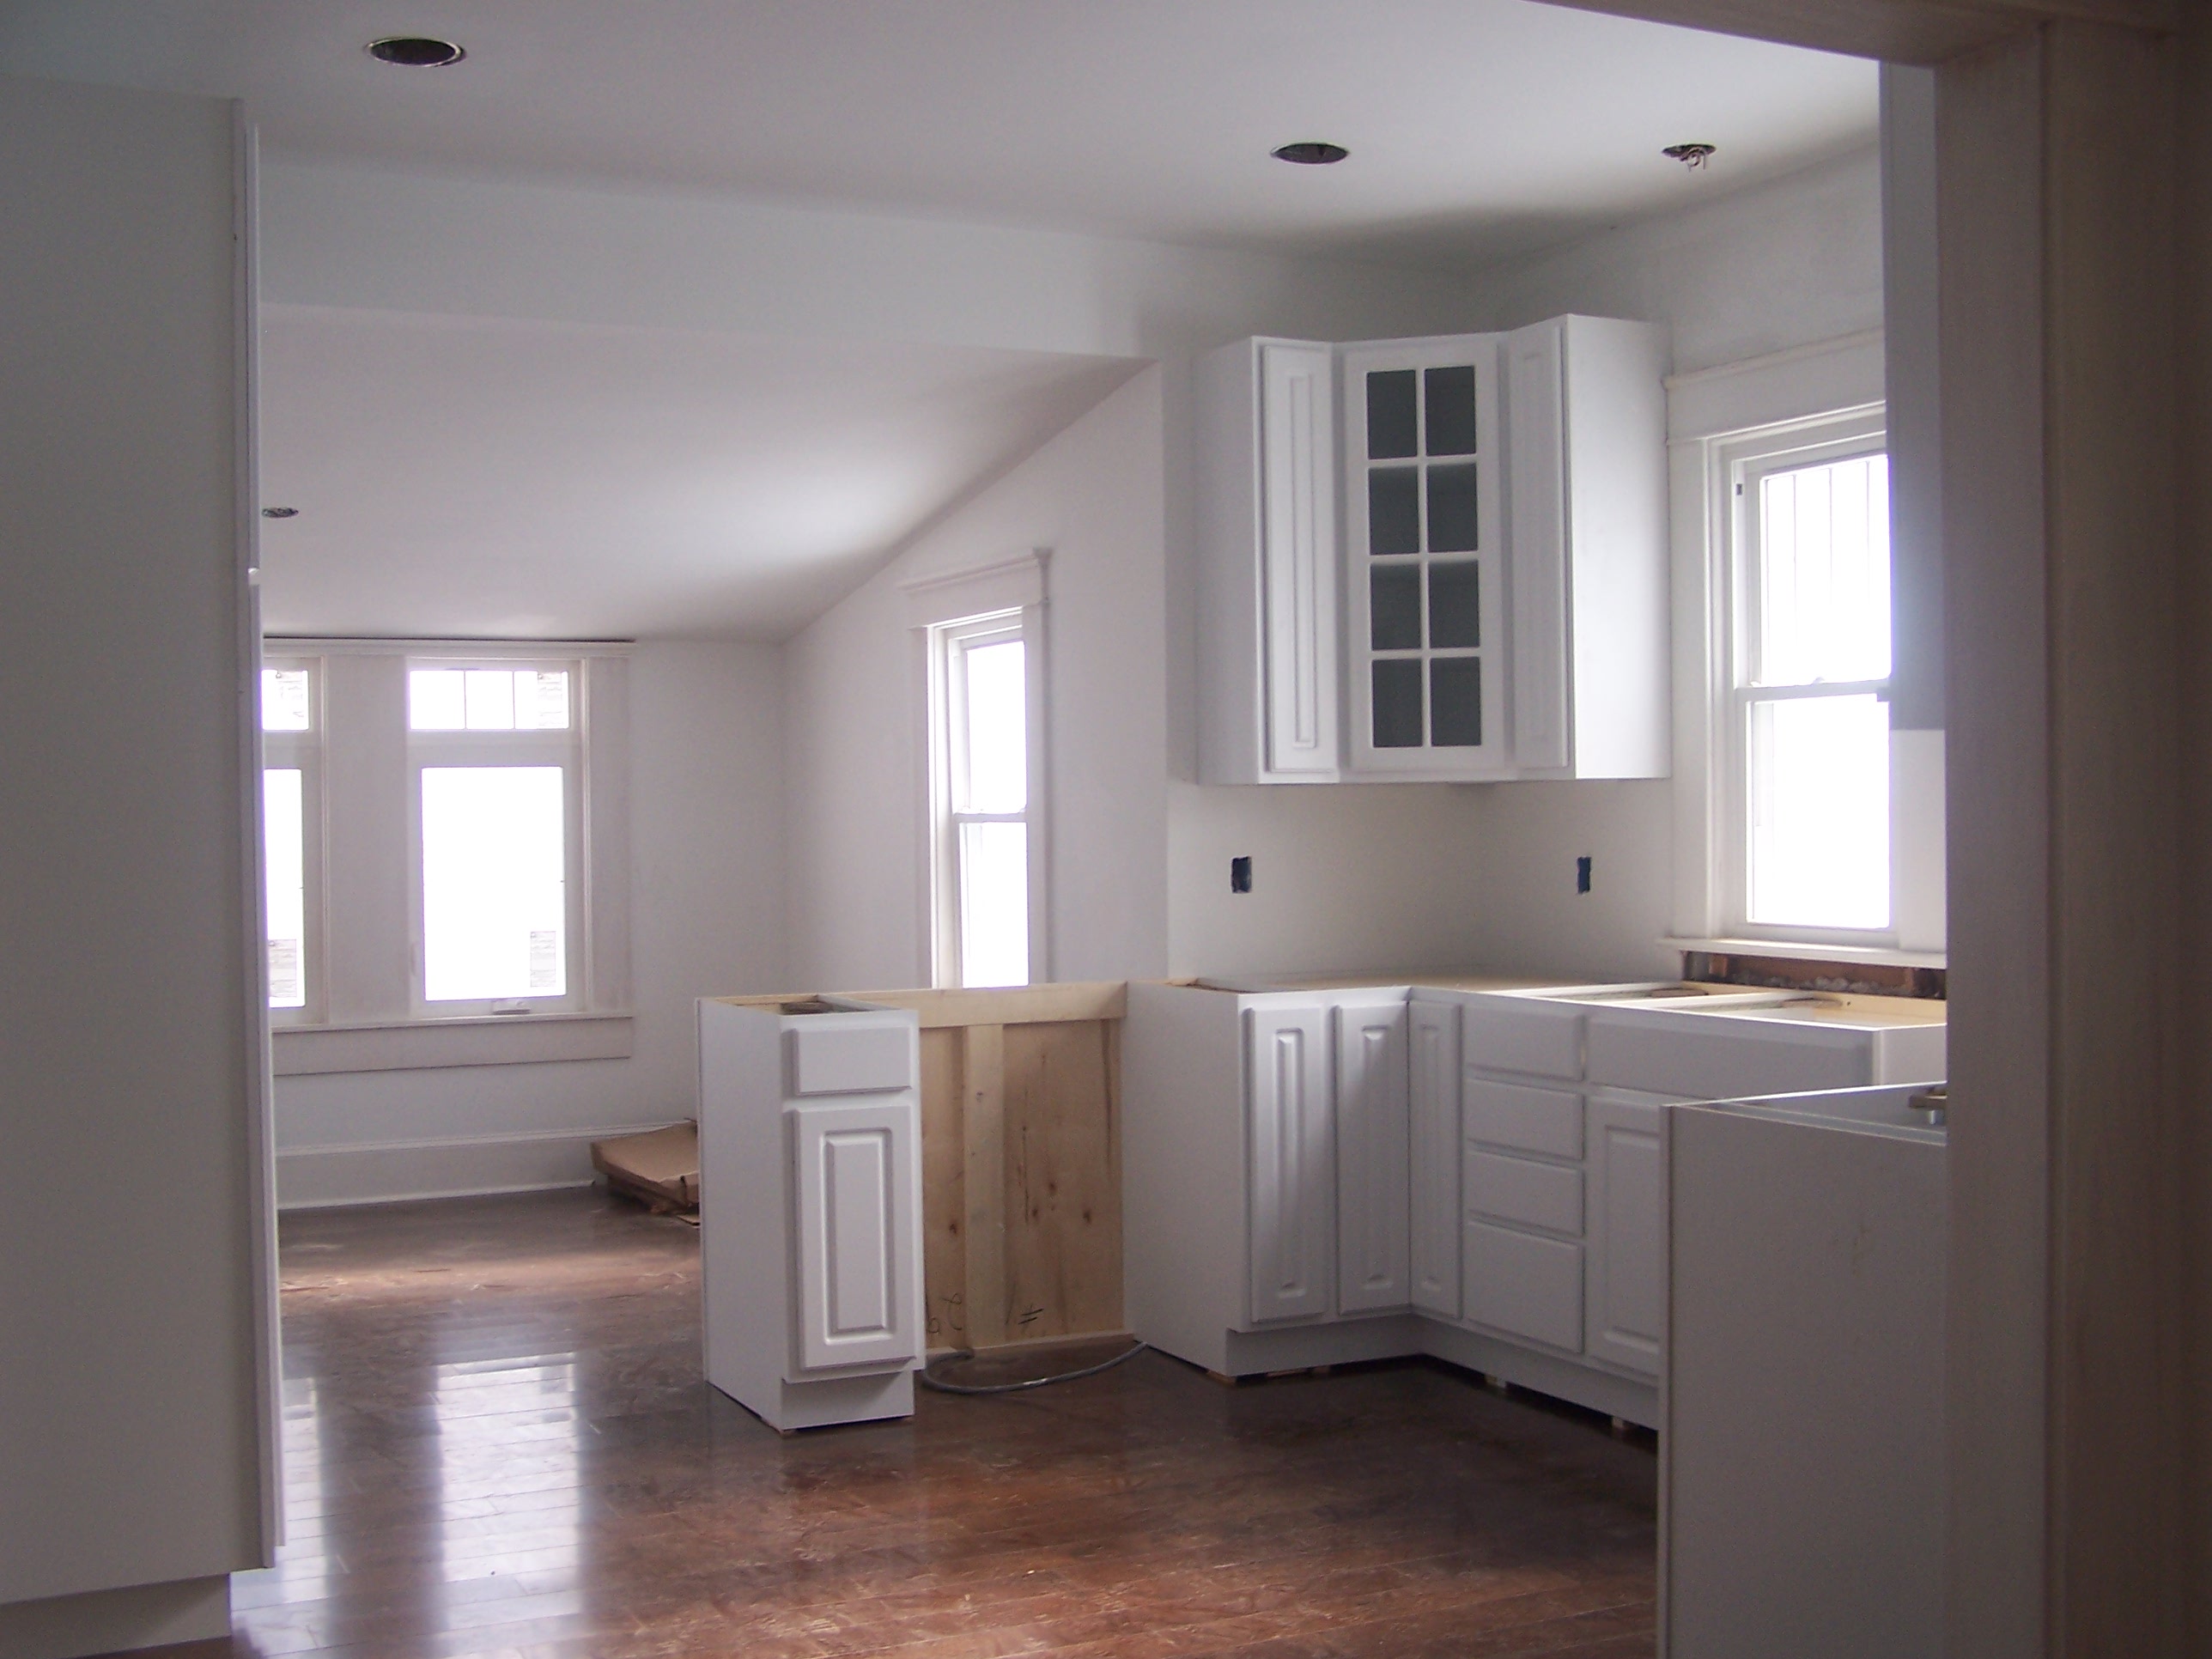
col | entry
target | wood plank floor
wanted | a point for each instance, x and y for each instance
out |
(499, 1442)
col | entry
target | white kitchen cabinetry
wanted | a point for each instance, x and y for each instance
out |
(1433, 1122)
(1627, 1286)
(810, 1209)
(1267, 565)
(1373, 1222)
(1288, 1131)
(1587, 462)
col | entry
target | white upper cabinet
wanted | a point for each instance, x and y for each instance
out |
(1587, 512)
(1267, 572)
(1425, 644)
(1486, 596)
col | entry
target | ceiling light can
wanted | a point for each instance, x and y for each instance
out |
(415, 51)
(1310, 153)
(1692, 157)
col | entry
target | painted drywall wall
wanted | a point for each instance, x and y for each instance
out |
(706, 919)
(1783, 265)
(1092, 497)
(138, 1312)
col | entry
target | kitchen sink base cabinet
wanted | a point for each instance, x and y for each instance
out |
(810, 1210)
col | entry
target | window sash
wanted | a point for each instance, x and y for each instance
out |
(948, 813)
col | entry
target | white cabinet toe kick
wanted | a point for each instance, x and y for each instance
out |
(1321, 1177)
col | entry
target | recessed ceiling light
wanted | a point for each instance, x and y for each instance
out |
(415, 51)
(280, 512)
(1692, 157)
(1311, 153)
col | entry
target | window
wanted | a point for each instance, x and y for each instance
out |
(982, 800)
(446, 847)
(1804, 733)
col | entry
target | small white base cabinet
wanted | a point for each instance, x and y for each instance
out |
(810, 1144)
(1317, 1177)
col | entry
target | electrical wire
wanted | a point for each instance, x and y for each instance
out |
(930, 1380)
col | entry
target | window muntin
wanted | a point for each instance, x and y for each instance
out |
(1807, 726)
(983, 822)
(488, 699)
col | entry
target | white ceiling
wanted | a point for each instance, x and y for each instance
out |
(489, 478)
(464, 478)
(1478, 128)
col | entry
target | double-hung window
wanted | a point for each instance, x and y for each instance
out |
(291, 837)
(1804, 719)
(983, 796)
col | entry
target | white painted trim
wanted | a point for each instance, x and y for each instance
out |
(433, 1044)
(399, 646)
(457, 1166)
(1783, 385)
(1014, 584)
(1806, 950)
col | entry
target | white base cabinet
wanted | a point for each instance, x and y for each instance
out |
(810, 1210)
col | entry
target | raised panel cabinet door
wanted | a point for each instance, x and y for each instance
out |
(1628, 1240)
(1292, 1177)
(1298, 484)
(1433, 1109)
(1535, 392)
(1372, 1168)
(857, 1213)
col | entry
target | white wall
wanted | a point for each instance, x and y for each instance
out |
(706, 919)
(1788, 263)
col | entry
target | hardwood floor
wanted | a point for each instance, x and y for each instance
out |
(500, 1443)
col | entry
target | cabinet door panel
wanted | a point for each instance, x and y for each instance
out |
(1292, 1177)
(1535, 389)
(1627, 1281)
(1524, 1119)
(1525, 1286)
(1518, 1189)
(1372, 1172)
(1434, 1084)
(857, 1205)
(1298, 484)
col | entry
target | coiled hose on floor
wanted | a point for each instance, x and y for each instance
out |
(930, 1380)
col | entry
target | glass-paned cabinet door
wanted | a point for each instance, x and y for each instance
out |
(1425, 555)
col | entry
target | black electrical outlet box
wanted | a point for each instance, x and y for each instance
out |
(1582, 874)
(1240, 875)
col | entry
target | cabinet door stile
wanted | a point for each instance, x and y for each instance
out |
(1292, 1175)
(1434, 1111)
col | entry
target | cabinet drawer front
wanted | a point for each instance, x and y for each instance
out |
(1520, 1034)
(1712, 1057)
(1523, 1120)
(1534, 1194)
(850, 1059)
(1525, 1286)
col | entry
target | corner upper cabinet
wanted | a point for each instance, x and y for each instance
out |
(1267, 559)
(1586, 526)
(1425, 546)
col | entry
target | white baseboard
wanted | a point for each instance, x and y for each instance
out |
(117, 1621)
(318, 1177)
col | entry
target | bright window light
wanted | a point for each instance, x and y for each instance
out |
(284, 705)
(994, 904)
(1823, 572)
(488, 699)
(284, 859)
(997, 728)
(1819, 812)
(494, 892)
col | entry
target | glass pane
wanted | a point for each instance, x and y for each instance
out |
(998, 728)
(1393, 510)
(494, 892)
(1451, 395)
(994, 904)
(541, 699)
(284, 863)
(1456, 604)
(491, 699)
(1456, 702)
(1391, 434)
(1394, 606)
(1397, 686)
(1452, 508)
(1819, 812)
(284, 705)
(1823, 572)
(436, 701)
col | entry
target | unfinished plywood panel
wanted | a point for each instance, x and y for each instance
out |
(1062, 1171)
(1020, 1158)
(943, 1192)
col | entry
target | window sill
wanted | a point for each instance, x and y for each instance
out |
(430, 1044)
(1798, 951)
